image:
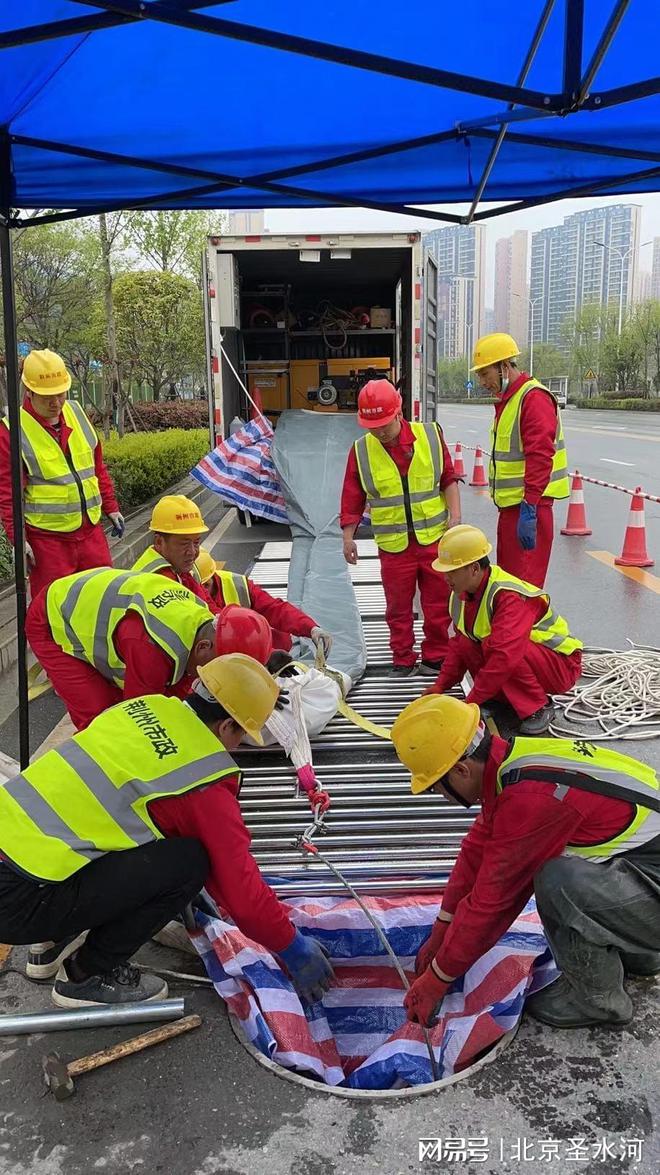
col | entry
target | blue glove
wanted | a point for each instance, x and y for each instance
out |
(118, 525)
(527, 526)
(308, 966)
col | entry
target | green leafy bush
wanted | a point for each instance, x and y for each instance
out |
(143, 465)
(628, 405)
(6, 563)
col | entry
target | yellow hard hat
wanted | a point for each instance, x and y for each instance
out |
(176, 514)
(44, 372)
(431, 734)
(244, 688)
(460, 546)
(205, 565)
(493, 349)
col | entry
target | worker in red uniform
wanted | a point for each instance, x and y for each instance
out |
(574, 823)
(405, 473)
(117, 830)
(286, 621)
(66, 485)
(508, 637)
(528, 466)
(106, 635)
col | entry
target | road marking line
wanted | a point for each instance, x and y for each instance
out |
(612, 461)
(599, 430)
(635, 573)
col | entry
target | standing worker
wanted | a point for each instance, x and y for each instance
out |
(105, 635)
(571, 822)
(286, 621)
(507, 635)
(118, 829)
(66, 484)
(405, 473)
(177, 526)
(528, 467)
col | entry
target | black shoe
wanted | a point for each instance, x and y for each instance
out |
(538, 722)
(123, 985)
(557, 1006)
(430, 668)
(642, 966)
(403, 671)
(45, 958)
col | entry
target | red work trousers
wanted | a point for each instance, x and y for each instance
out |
(531, 566)
(541, 672)
(402, 574)
(85, 693)
(57, 556)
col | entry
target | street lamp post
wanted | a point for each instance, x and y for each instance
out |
(621, 254)
(532, 303)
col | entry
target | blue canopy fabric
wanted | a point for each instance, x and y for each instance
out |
(250, 103)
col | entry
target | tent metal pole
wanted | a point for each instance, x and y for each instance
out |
(630, 93)
(611, 28)
(13, 411)
(53, 29)
(577, 145)
(521, 79)
(573, 38)
(572, 193)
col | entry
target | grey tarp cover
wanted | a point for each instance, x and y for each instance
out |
(309, 452)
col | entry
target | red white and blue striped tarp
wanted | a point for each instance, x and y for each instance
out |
(358, 1036)
(240, 469)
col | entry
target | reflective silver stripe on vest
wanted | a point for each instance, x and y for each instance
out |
(421, 524)
(171, 639)
(29, 455)
(390, 528)
(157, 564)
(362, 457)
(85, 424)
(433, 439)
(241, 588)
(34, 505)
(117, 801)
(46, 818)
(455, 609)
(66, 479)
(110, 599)
(604, 775)
(68, 605)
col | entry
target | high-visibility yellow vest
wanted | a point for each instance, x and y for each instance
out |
(551, 630)
(506, 473)
(90, 796)
(388, 496)
(577, 763)
(153, 563)
(84, 610)
(56, 488)
(235, 588)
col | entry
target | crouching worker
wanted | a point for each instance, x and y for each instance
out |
(571, 822)
(121, 826)
(508, 636)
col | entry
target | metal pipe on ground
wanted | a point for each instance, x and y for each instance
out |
(94, 1017)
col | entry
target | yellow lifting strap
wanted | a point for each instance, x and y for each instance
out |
(36, 687)
(344, 709)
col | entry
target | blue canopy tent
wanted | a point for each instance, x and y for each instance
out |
(244, 103)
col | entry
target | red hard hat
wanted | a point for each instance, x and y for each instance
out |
(242, 630)
(378, 403)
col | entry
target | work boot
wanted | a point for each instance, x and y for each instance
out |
(122, 985)
(538, 722)
(403, 671)
(558, 1005)
(430, 668)
(644, 965)
(45, 958)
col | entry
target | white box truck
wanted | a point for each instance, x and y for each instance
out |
(306, 320)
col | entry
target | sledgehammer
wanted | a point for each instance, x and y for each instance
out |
(58, 1075)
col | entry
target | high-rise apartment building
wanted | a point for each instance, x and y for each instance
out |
(511, 288)
(460, 256)
(591, 258)
(655, 270)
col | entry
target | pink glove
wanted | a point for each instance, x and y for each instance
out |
(423, 999)
(430, 948)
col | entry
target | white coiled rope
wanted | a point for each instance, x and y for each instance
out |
(621, 702)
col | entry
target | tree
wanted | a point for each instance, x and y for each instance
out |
(171, 242)
(645, 323)
(160, 329)
(549, 361)
(452, 377)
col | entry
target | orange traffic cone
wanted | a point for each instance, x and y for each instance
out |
(479, 473)
(459, 468)
(576, 519)
(634, 553)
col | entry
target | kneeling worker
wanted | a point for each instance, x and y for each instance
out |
(105, 635)
(507, 635)
(571, 822)
(121, 826)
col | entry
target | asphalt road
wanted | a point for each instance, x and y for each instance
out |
(201, 1105)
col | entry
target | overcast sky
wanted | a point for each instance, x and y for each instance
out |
(355, 219)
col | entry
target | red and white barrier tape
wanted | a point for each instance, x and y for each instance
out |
(610, 485)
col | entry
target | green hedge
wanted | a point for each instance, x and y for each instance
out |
(623, 405)
(143, 465)
(6, 561)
